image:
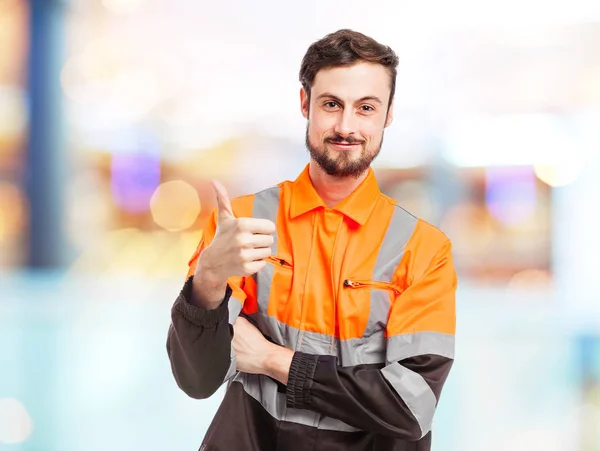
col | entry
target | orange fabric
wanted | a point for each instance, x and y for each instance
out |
(322, 247)
(242, 207)
(429, 279)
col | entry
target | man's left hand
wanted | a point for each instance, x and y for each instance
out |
(256, 355)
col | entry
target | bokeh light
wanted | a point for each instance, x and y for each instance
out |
(12, 211)
(135, 176)
(511, 194)
(12, 111)
(15, 423)
(560, 174)
(530, 278)
(175, 205)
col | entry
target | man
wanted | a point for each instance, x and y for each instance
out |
(328, 309)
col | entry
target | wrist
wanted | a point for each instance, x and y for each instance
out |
(208, 273)
(208, 289)
(277, 362)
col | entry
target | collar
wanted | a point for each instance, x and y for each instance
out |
(357, 206)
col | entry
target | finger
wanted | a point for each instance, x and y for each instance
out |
(224, 209)
(260, 240)
(240, 320)
(259, 253)
(257, 225)
(253, 267)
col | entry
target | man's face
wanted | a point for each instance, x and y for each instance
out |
(347, 113)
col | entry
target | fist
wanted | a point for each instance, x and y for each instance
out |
(240, 245)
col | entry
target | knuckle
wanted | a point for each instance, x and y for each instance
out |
(241, 240)
(238, 225)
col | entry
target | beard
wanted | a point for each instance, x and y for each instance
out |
(343, 165)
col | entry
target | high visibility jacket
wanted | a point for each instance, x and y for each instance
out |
(363, 292)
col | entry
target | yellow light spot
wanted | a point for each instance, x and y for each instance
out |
(560, 174)
(530, 278)
(15, 423)
(175, 205)
(12, 211)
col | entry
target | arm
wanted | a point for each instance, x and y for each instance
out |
(397, 398)
(199, 344)
(199, 337)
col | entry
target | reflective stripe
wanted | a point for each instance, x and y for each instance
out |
(415, 392)
(401, 227)
(403, 346)
(235, 307)
(264, 390)
(351, 352)
(266, 206)
(279, 332)
(358, 351)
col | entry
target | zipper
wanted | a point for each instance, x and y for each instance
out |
(279, 262)
(371, 284)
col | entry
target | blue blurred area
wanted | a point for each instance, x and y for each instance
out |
(86, 357)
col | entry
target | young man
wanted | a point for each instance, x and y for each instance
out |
(328, 308)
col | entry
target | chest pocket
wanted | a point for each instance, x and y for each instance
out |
(380, 302)
(280, 286)
(274, 286)
(366, 316)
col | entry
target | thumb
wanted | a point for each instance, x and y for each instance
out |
(224, 209)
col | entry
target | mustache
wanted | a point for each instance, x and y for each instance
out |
(339, 139)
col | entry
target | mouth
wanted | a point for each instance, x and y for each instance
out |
(343, 145)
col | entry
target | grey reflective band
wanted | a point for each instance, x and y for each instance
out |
(264, 390)
(401, 227)
(415, 392)
(266, 206)
(404, 346)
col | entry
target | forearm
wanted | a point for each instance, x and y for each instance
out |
(207, 288)
(199, 344)
(363, 395)
(278, 363)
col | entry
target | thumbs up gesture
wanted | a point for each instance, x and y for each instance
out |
(240, 245)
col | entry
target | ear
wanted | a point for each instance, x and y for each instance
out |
(304, 103)
(390, 114)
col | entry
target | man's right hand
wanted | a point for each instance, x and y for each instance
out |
(239, 248)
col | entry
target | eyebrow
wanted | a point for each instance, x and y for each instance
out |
(362, 99)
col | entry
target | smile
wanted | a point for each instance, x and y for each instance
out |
(344, 146)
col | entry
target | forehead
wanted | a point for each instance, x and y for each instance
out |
(353, 82)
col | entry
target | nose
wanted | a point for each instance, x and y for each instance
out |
(346, 124)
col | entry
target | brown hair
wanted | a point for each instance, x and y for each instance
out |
(346, 48)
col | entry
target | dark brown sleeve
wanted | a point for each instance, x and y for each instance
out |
(362, 396)
(199, 344)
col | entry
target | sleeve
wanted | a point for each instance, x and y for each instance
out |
(199, 340)
(397, 398)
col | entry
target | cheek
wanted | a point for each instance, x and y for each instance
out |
(371, 131)
(321, 125)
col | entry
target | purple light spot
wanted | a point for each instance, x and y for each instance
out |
(135, 177)
(511, 194)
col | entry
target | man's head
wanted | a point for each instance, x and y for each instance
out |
(348, 83)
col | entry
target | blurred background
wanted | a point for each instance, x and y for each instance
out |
(115, 114)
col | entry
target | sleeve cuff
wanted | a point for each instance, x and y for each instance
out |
(300, 380)
(199, 316)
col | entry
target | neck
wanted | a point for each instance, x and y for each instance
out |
(333, 189)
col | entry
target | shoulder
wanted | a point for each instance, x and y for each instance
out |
(244, 205)
(421, 228)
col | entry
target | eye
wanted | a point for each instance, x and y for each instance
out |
(367, 108)
(330, 104)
